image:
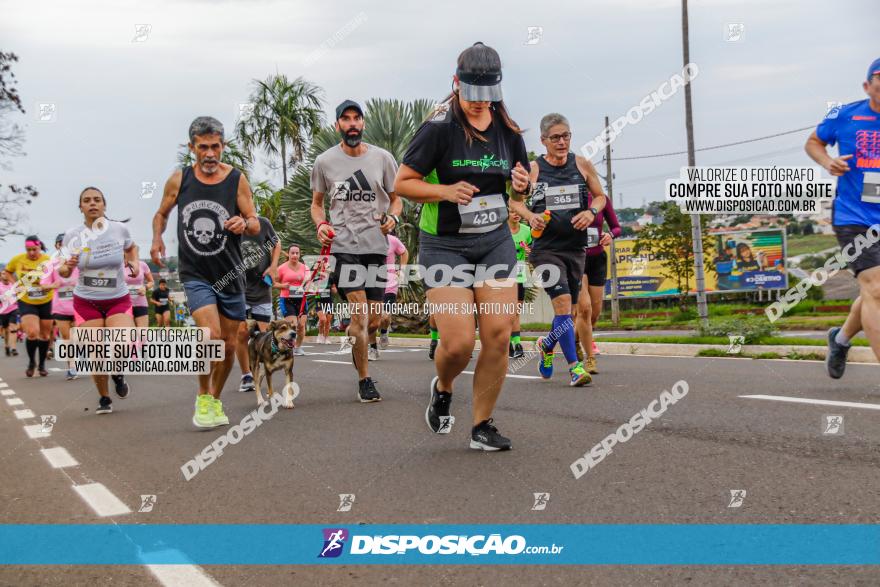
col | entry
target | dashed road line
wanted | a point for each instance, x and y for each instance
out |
(816, 402)
(14, 401)
(182, 576)
(24, 414)
(101, 500)
(37, 431)
(511, 375)
(58, 457)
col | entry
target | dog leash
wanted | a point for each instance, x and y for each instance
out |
(322, 258)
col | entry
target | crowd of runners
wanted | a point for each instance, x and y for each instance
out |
(486, 211)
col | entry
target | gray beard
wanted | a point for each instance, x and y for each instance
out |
(352, 141)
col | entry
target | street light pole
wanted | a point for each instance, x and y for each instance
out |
(696, 229)
(615, 295)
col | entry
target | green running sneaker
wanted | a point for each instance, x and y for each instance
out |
(204, 415)
(220, 418)
(579, 376)
(545, 365)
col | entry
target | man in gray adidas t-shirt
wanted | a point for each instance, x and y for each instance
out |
(358, 178)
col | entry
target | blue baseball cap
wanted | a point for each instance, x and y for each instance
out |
(874, 69)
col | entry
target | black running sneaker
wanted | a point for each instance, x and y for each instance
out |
(835, 357)
(437, 415)
(105, 405)
(432, 349)
(42, 370)
(510, 350)
(367, 391)
(121, 386)
(8, 354)
(518, 351)
(485, 436)
(30, 369)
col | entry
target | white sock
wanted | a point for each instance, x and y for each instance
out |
(841, 338)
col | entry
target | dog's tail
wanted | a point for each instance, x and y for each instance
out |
(252, 327)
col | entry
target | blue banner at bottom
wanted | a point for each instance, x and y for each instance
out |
(523, 544)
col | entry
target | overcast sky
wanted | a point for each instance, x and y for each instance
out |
(123, 101)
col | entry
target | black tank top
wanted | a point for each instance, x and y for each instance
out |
(564, 190)
(208, 252)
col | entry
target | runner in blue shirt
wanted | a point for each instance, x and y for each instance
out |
(855, 129)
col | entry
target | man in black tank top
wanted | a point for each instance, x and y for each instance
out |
(214, 207)
(566, 186)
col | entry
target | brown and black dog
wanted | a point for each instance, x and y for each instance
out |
(273, 350)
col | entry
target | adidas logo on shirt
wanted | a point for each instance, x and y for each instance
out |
(355, 189)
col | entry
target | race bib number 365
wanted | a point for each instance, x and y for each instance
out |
(563, 197)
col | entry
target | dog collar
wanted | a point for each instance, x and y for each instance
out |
(277, 351)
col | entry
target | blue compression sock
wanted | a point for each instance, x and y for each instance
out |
(562, 331)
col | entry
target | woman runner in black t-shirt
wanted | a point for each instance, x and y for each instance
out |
(159, 299)
(476, 149)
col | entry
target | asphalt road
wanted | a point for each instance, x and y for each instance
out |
(680, 469)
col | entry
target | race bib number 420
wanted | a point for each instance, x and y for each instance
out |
(482, 214)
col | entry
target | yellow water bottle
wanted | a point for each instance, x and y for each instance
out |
(536, 233)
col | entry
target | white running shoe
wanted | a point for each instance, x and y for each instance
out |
(373, 354)
(383, 340)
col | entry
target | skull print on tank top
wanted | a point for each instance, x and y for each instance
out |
(207, 251)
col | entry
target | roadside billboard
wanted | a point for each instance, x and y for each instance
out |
(735, 261)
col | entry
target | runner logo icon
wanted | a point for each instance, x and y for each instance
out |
(737, 497)
(356, 188)
(147, 503)
(833, 424)
(334, 540)
(541, 501)
(346, 500)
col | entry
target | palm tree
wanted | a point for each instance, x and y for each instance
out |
(285, 117)
(232, 155)
(268, 203)
(390, 124)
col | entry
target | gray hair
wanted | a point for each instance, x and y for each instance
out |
(205, 125)
(551, 120)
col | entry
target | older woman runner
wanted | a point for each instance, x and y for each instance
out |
(567, 187)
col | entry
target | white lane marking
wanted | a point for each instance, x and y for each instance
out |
(816, 402)
(14, 401)
(511, 375)
(58, 457)
(3, 385)
(101, 500)
(182, 576)
(23, 414)
(336, 362)
(36, 431)
(7, 392)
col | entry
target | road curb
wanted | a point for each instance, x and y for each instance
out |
(856, 354)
